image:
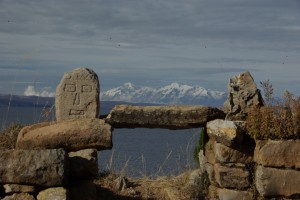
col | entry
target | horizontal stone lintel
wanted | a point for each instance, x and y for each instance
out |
(169, 117)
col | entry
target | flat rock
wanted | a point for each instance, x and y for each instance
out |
(231, 176)
(34, 167)
(172, 117)
(277, 182)
(84, 164)
(57, 193)
(226, 194)
(224, 154)
(17, 188)
(19, 196)
(226, 132)
(71, 134)
(273, 153)
(242, 94)
(77, 95)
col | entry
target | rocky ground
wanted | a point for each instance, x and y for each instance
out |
(182, 187)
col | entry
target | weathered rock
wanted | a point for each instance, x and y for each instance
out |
(278, 153)
(226, 154)
(212, 193)
(226, 132)
(209, 152)
(225, 194)
(277, 182)
(231, 176)
(71, 134)
(83, 190)
(34, 167)
(242, 94)
(58, 193)
(172, 117)
(19, 196)
(16, 188)
(77, 95)
(83, 164)
(209, 168)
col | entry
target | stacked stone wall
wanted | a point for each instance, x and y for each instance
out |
(241, 168)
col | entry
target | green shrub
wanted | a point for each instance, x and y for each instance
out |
(199, 146)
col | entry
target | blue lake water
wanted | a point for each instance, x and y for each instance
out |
(136, 152)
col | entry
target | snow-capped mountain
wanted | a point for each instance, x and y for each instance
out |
(170, 94)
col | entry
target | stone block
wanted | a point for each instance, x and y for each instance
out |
(172, 117)
(72, 135)
(226, 194)
(211, 173)
(19, 196)
(34, 167)
(83, 164)
(209, 152)
(284, 153)
(83, 190)
(17, 188)
(231, 176)
(224, 154)
(77, 95)
(277, 182)
(57, 193)
(226, 132)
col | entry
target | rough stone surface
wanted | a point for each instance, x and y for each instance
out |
(16, 188)
(172, 117)
(77, 95)
(209, 152)
(242, 94)
(225, 194)
(71, 135)
(278, 153)
(83, 190)
(34, 167)
(226, 154)
(277, 182)
(226, 132)
(19, 196)
(58, 193)
(83, 164)
(231, 176)
(211, 173)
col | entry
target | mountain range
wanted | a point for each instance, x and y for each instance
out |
(174, 93)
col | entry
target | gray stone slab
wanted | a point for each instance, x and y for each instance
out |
(172, 117)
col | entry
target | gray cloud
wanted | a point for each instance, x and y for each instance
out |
(154, 41)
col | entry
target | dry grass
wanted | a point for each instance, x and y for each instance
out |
(276, 120)
(161, 188)
(8, 136)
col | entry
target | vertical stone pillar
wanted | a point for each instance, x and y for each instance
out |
(77, 95)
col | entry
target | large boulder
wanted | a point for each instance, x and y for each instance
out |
(84, 164)
(226, 132)
(57, 193)
(277, 182)
(72, 135)
(77, 95)
(278, 153)
(242, 94)
(19, 196)
(34, 167)
(225, 194)
(172, 117)
(232, 176)
(17, 188)
(224, 154)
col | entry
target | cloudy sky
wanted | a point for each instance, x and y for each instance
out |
(149, 42)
